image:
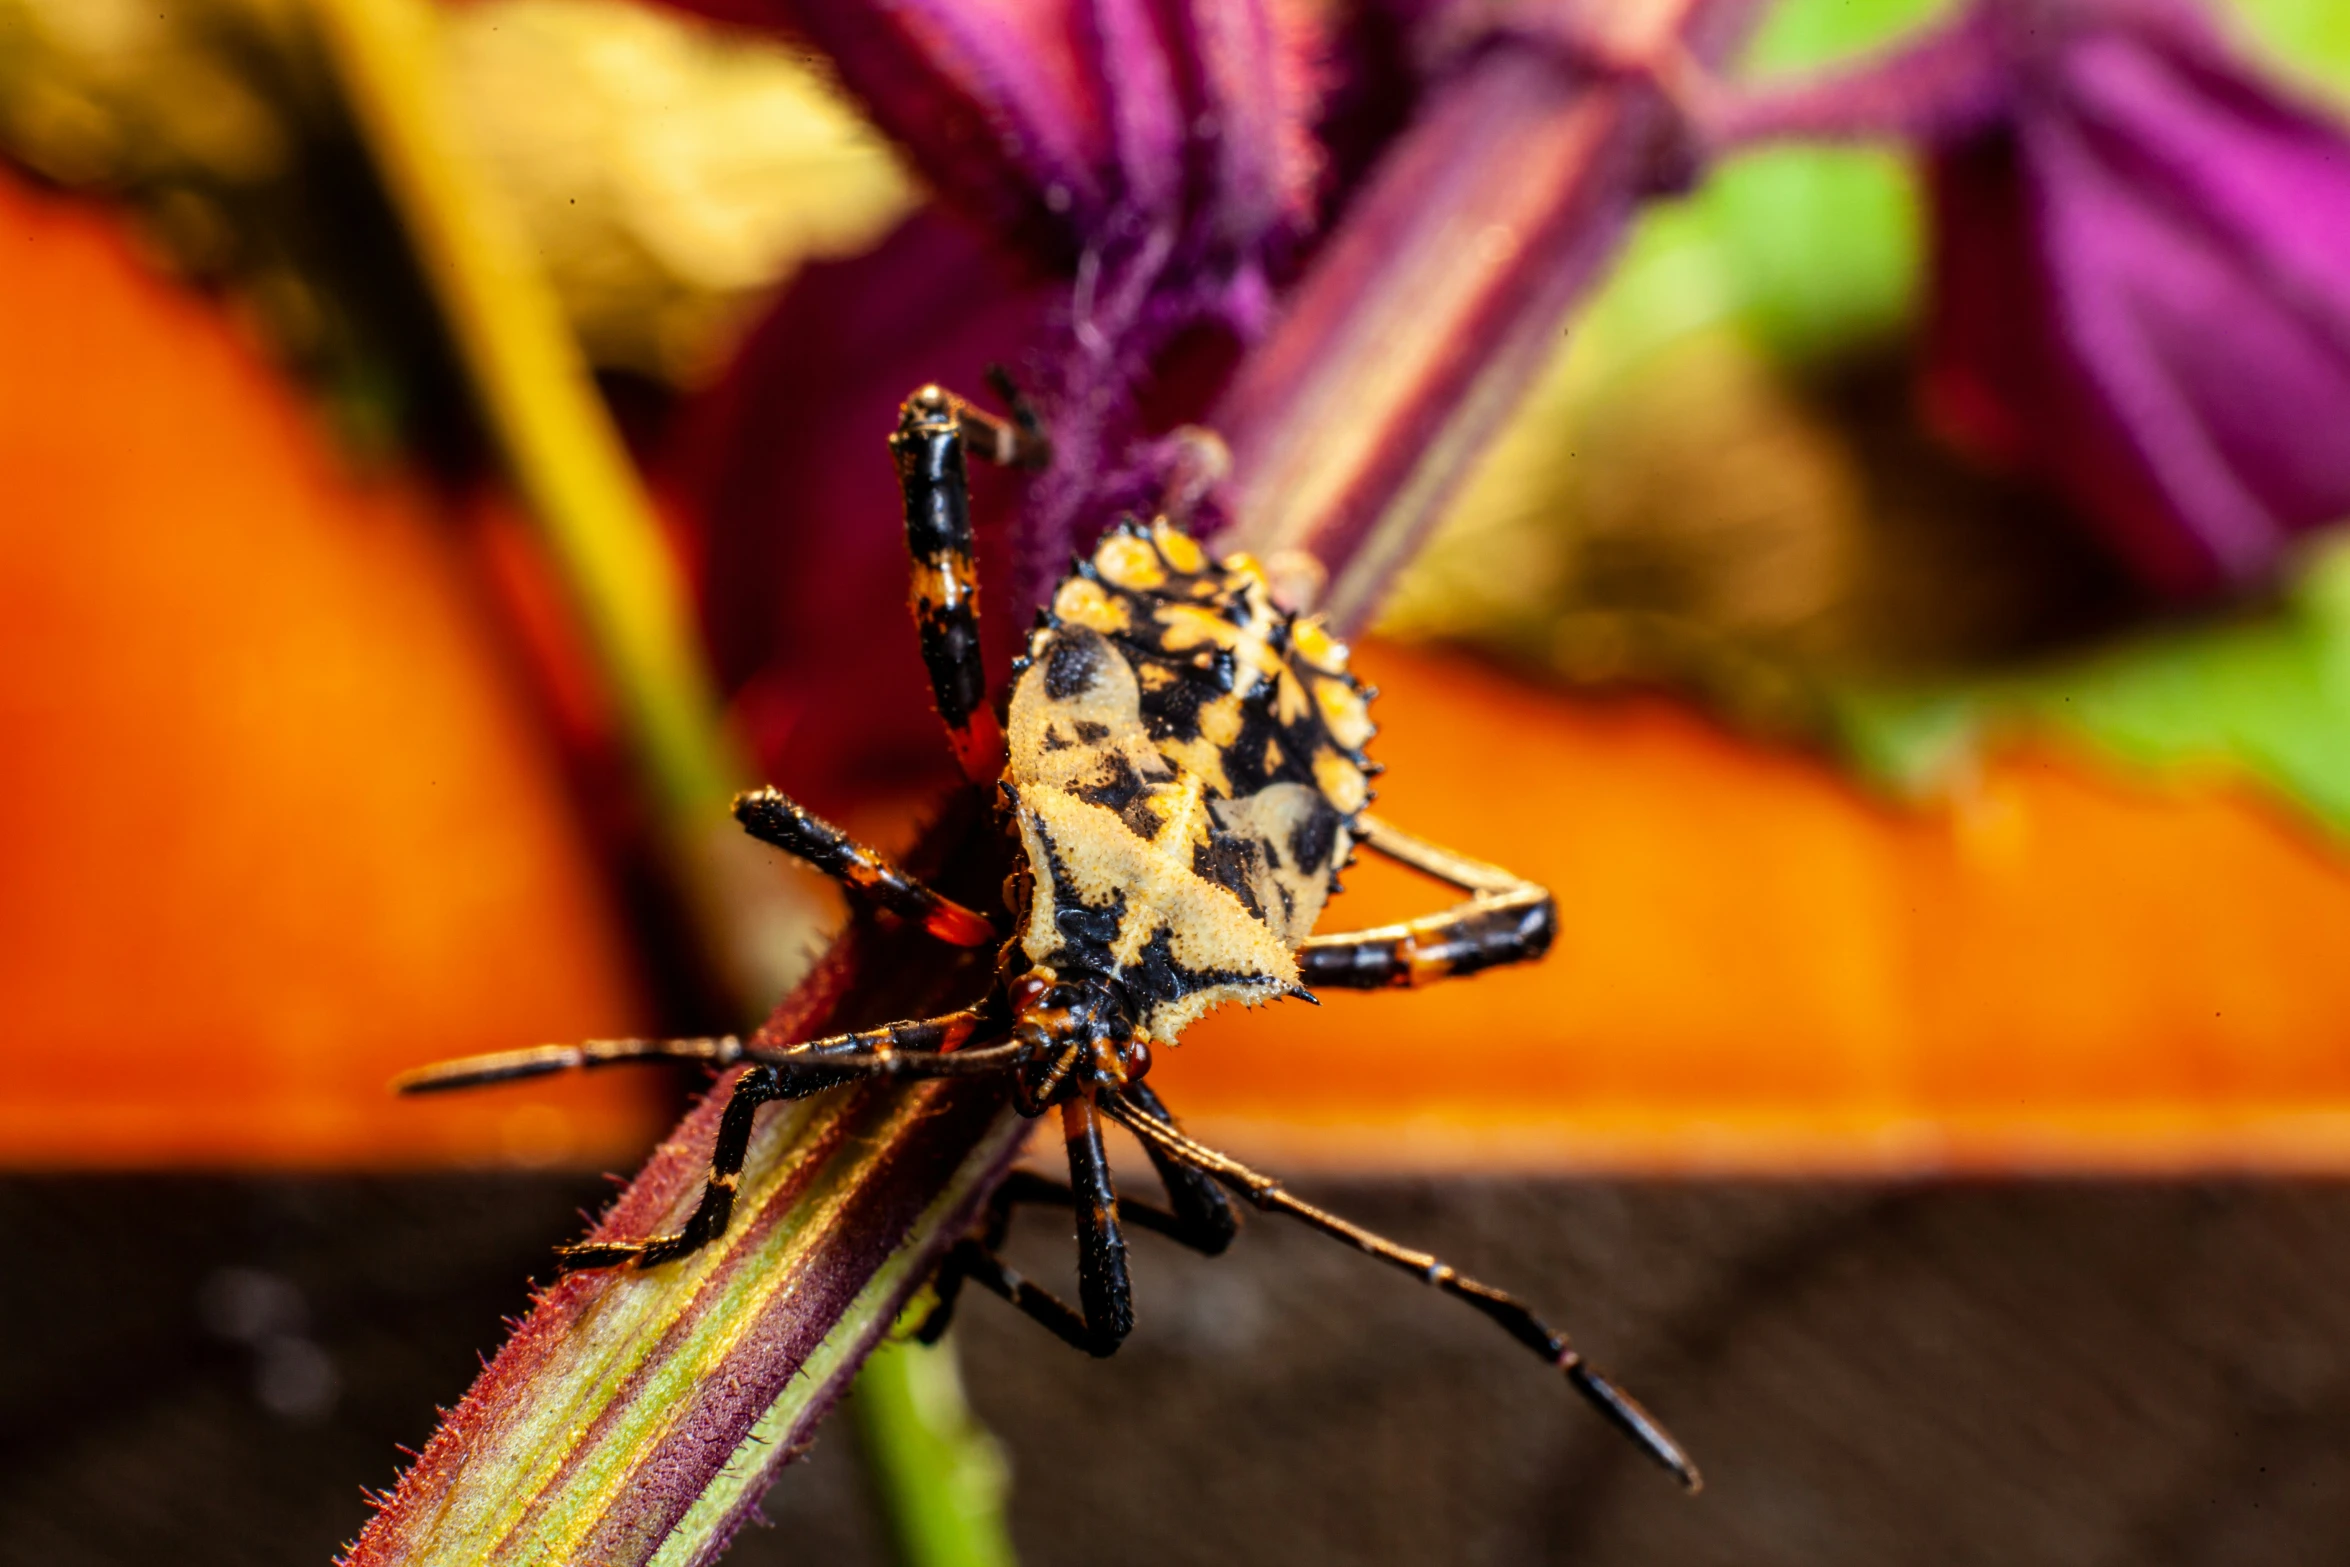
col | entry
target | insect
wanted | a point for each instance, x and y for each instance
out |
(1181, 765)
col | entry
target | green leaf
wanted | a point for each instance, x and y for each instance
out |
(2269, 696)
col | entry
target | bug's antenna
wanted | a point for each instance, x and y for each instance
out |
(542, 1060)
(1035, 449)
(1619, 1408)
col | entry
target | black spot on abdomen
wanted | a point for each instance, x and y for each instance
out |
(1117, 787)
(1231, 863)
(1312, 840)
(1074, 663)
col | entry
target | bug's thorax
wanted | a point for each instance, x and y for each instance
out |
(1185, 769)
(1078, 1032)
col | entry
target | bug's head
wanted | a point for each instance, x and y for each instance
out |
(1076, 1032)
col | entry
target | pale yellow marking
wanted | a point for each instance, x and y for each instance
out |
(1199, 755)
(1245, 567)
(1345, 713)
(1190, 625)
(1219, 721)
(1315, 644)
(1290, 702)
(1341, 782)
(1083, 603)
(1270, 816)
(1182, 551)
(1130, 562)
(1207, 927)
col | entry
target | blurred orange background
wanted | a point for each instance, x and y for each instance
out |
(280, 818)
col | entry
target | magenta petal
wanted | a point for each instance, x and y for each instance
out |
(2188, 239)
(2229, 249)
(1136, 79)
(993, 98)
(2142, 268)
(800, 533)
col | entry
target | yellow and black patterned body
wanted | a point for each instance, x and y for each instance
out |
(1181, 761)
(1186, 770)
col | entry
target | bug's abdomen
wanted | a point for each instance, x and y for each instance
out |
(1167, 709)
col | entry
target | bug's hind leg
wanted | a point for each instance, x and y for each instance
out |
(1198, 1215)
(936, 430)
(1512, 1315)
(864, 873)
(1506, 919)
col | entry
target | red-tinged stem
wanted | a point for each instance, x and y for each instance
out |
(1443, 291)
(636, 1417)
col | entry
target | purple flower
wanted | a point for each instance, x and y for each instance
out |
(1122, 182)
(2142, 270)
(1133, 192)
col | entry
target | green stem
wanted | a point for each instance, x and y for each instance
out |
(927, 1451)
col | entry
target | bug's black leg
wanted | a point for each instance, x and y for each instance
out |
(788, 1075)
(917, 1035)
(1103, 1288)
(935, 432)
(1507, 919)
(864, 873)
(1203, 1216)
(1513, 1316)
(970, 1260)
(541, 1060)
(708, 1221)
(1199, 1216)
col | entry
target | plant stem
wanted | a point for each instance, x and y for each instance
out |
(540, 407)
(636, 1416)
(1443, 291)
(923, 1444)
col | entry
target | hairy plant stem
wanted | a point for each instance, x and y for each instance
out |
(636, 1417)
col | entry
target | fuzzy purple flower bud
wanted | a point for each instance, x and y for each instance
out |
(2142, 270)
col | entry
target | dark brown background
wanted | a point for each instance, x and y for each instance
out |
(2072, 1373)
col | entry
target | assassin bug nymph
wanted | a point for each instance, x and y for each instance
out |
(1181, 764)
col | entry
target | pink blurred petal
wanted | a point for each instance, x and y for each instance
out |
(2142, 262)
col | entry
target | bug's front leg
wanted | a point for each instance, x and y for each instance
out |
(758, 1086)
(1506, 919)
(865, 874)
(936, 430)
(795, 1074)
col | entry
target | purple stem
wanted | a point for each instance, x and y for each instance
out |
(1442, 293)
